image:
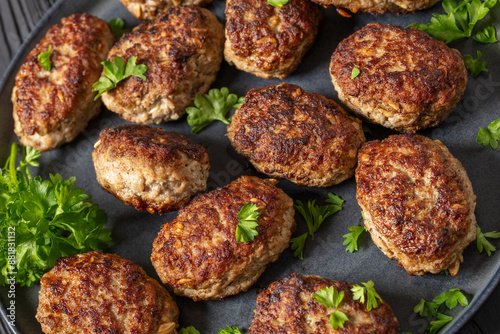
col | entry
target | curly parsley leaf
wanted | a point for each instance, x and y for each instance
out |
(475, 66)
(355, 72)
(230, 330)
(117, 26)
(117, 71)
(451, 298)
(491, 135)
(189, 330)
(314, 215)
(210, 107)
(436, 325)
(277, 3)
(351, 239)
(329, 297)
(368, 289)
(47, 219)
(44, 58)
(245, 230)
(487, 35)
(482, 243)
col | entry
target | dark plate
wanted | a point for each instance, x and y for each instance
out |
(134, 231)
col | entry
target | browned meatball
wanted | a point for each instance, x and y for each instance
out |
(197, 255)
(103, 293)
(266, 41)
(149, 9)
(288, 306)
(52, 107)
(149, 168)
(182, 50)
(379, 6)
(408, 81)
(286, 132)
(417, 202)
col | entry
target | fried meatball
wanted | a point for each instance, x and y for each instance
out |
(197, 254)
(408, 81)
(103, 293)
(149, 9)
(149, 168)
(417, 202)
(266, 41)
(288, 306)
(286, 132)
(379, 6)
(182, 50)
(51, 107)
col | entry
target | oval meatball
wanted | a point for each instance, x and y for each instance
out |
(149, 168)
(417, 202)
(182, 51)
(149, 9)
(407, 80)
(103, 293)
(379, 6)
(288, 306)
(197, 254)
(51, 107)
(288, 133)
(266, 41)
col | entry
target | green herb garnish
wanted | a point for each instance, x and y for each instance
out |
(189, 330)
(482, 243)
(117, 26)
(475, 66)
(355, 72)
(277, 3)
(351, 239)
(245, 230)
(359, 292)
(43, 220)
(491, 135)
(230, 330)
(117, 71)
(44, 58)
(487, 35)
(329, 297)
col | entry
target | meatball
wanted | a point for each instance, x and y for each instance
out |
(379, 6)
(149, 9)
(266, 41)
(103, 293)
(288, 306)
(417, 202)
(286, 132)
(51, 107)
(408, 81)
(182, 50)
(149, 168)
(197, 254)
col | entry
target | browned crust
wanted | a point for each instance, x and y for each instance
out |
(288, 306)
(197, 255)
(286, 132)
(417, 201)
(148, 148)
(266, 41)
(149, 9)
(59, 102)
(408, 81)
(103, 293)
(379, 6)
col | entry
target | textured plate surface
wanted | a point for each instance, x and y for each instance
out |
(134, 232)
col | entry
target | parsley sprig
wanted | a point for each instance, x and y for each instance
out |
(355, 72)
(44, 58)
(314, 216)
(277, 3)
(490, 135)
(351, 239)
(366, 292)
(189, 330)
(117, 26)
(449, 298)
(229, 330)
(47, 219)
(246, 228)
(475, 65)
(329, 297)
(117, 71)
(482, 243)
(210, 107)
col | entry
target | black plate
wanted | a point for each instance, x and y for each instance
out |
(134, 231)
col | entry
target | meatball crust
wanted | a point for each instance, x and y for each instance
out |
(408, 81)
(197, 255)
(417, 201)
(266, 41)
(182, 50)
(103, 293)
(149, 168)
(288, 306)
(149, 9)
(286, 132)
(52, 107)
(379, 6)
